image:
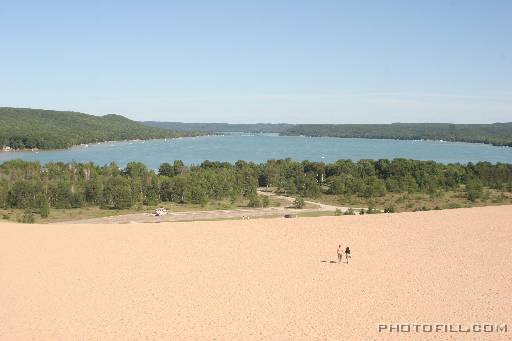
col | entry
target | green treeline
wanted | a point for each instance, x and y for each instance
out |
(70, 185)
(498, 134)
(48, 129)
(222, 127)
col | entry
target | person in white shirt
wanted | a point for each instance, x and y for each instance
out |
(340, 253)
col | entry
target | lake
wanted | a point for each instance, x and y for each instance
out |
(261, 147)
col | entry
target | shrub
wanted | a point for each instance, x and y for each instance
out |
(299, 202)
(265, 201)
(500, 198)
(433, 194)
(389, 209)
(474, 190)
(27, 217)
(454, 205)
(44, 211)
(337, 212)
(254, 201)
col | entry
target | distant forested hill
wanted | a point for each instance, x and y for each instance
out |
(48, 129)
(498, 134)
(221, 127)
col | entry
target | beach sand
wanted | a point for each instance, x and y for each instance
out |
(268, 279)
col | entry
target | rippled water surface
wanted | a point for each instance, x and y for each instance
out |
(258, 148)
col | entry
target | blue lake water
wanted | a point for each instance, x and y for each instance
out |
(258, 148)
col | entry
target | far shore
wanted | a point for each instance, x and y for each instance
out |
(86, 145)
(12, 150)
(405, 139)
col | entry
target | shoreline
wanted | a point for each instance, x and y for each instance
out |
(28, 150)
(86, 145)
(399, 139)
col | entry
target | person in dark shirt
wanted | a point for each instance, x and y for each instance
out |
(347, 254)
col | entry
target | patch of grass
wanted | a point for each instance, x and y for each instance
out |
(404, 202)
(315, 214)
(91, 212)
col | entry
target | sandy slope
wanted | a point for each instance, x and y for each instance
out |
(257, 279)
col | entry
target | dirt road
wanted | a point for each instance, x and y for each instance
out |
(244, 213)
(320, 206)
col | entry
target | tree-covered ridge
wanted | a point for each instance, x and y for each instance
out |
(58, 185)
(498, 134)
(222, 127)
(47, 129)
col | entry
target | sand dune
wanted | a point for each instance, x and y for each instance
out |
(268, 279)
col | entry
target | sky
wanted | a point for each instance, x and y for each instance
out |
(261, 61)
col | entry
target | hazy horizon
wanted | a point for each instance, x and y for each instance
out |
(233, 62)
(255, 122)
(248, 123)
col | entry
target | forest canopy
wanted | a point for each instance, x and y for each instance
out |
(31, 185)
(48, 129)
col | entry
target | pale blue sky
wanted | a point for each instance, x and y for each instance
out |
(261, 61)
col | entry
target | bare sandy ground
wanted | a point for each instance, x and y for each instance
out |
(187, 216)
(268, 279)
(213, 214)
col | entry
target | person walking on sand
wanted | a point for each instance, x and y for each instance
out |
(340, 253)
(347, 254)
